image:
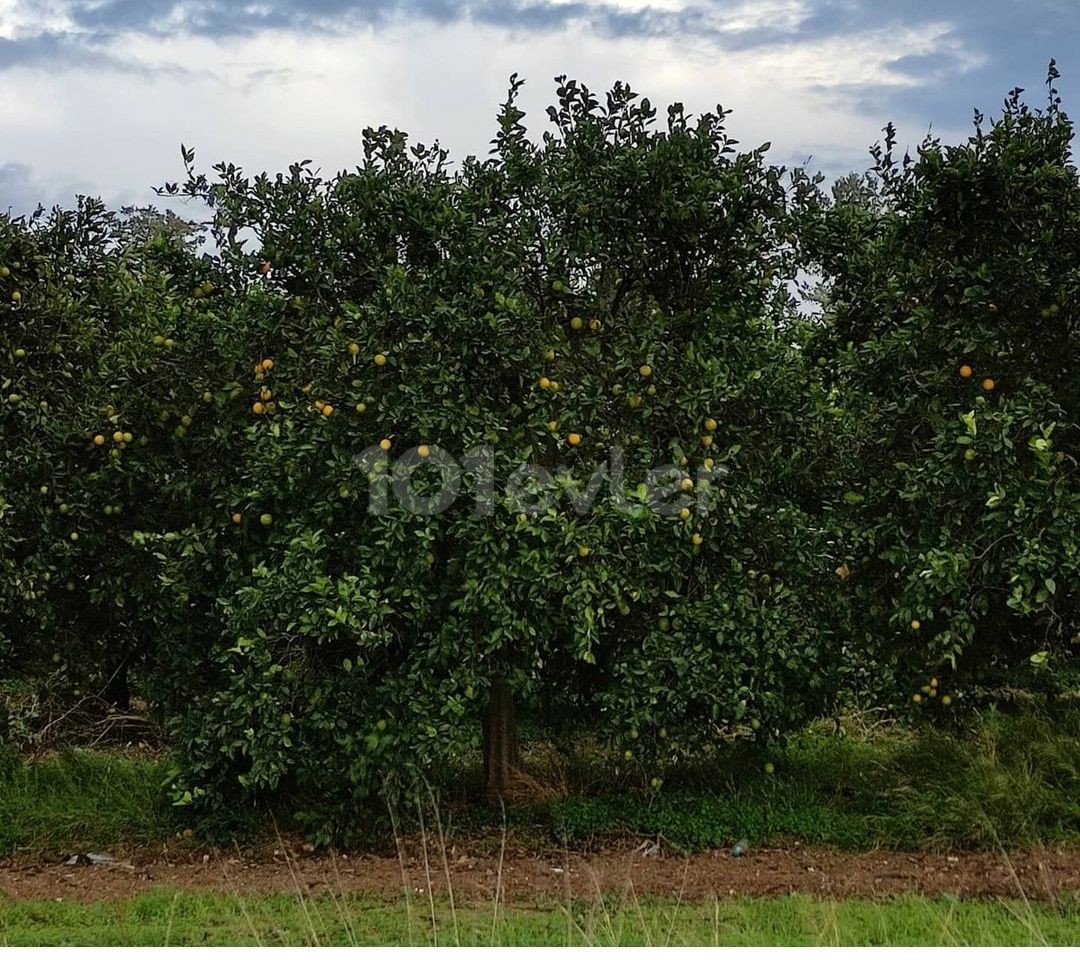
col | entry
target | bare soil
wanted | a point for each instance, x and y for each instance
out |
(537, 880)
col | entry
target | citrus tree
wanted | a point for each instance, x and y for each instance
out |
(950, 341)
(413, 535)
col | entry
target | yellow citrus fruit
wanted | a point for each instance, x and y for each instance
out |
(988, 384)
(129, 438)
(266, 519)
(934, 682)
(74, 536)
(265, 394)
(710, 424)
(576, 323)
(258, 409)
(708, 463)
(549, 354)
(327, 410)
(965, 371)
(385, 444)
(354, 348)
(706, 441)
(696, 539)
(423, 450)
(917, 698)
(915, 625)
(99, 440)
(946, 700)
(361, 407)
(573, 439)
(594, 325)
(545, 383)
(686, 484)
(583, 550)
(380, 360)
(684, 513)
(553, 425)
(118, 437)
(645, 370)
(15, 296)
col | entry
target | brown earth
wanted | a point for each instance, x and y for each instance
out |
(1036, 874)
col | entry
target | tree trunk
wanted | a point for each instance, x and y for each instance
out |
(502, 769)
(117, 691)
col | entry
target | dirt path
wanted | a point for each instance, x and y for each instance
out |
(534, 880)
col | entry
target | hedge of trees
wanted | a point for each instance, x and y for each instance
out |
(227, 451)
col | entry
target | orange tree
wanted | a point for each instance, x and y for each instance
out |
(951, 342)
(614, 287)
(108, 319)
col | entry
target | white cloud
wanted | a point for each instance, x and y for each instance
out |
(274, 97)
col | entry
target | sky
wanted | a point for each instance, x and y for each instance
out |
(96, 96)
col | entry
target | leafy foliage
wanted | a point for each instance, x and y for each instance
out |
(193, 439)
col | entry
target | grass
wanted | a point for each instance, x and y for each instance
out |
(82, 800)
(1008, 782)
(176, 919)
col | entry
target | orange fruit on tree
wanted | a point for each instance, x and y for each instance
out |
(573, 439)
(988, 384)
(236, 518)
(966, 371)
(327, 410)
(258, 409)
(268, 365)
(385, 444)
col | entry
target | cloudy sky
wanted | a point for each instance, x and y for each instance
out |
(97, 95)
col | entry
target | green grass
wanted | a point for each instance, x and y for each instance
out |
(1007, 782)
(166, 918)
(82, 800)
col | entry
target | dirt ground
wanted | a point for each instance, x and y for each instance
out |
(526, 880)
